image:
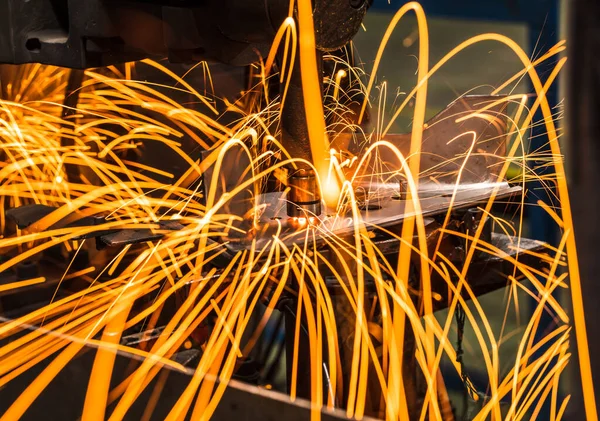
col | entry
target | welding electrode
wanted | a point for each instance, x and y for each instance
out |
(304, 199)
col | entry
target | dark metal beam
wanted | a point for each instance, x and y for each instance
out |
(583, 158)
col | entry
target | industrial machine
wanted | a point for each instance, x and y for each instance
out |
(81, 34)
(95, 33)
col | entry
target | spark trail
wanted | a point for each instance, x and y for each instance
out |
(225, 269)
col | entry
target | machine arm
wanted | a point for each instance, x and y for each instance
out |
(92, 33)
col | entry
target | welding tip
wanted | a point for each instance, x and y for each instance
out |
(304, 198)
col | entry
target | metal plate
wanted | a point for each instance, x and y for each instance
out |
(390, 211)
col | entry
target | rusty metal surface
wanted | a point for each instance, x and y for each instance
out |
(447, 138)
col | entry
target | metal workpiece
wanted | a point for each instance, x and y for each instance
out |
(304, 197)
(391, 210)
(302, 201)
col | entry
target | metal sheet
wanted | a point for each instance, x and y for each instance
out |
(390, 210)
